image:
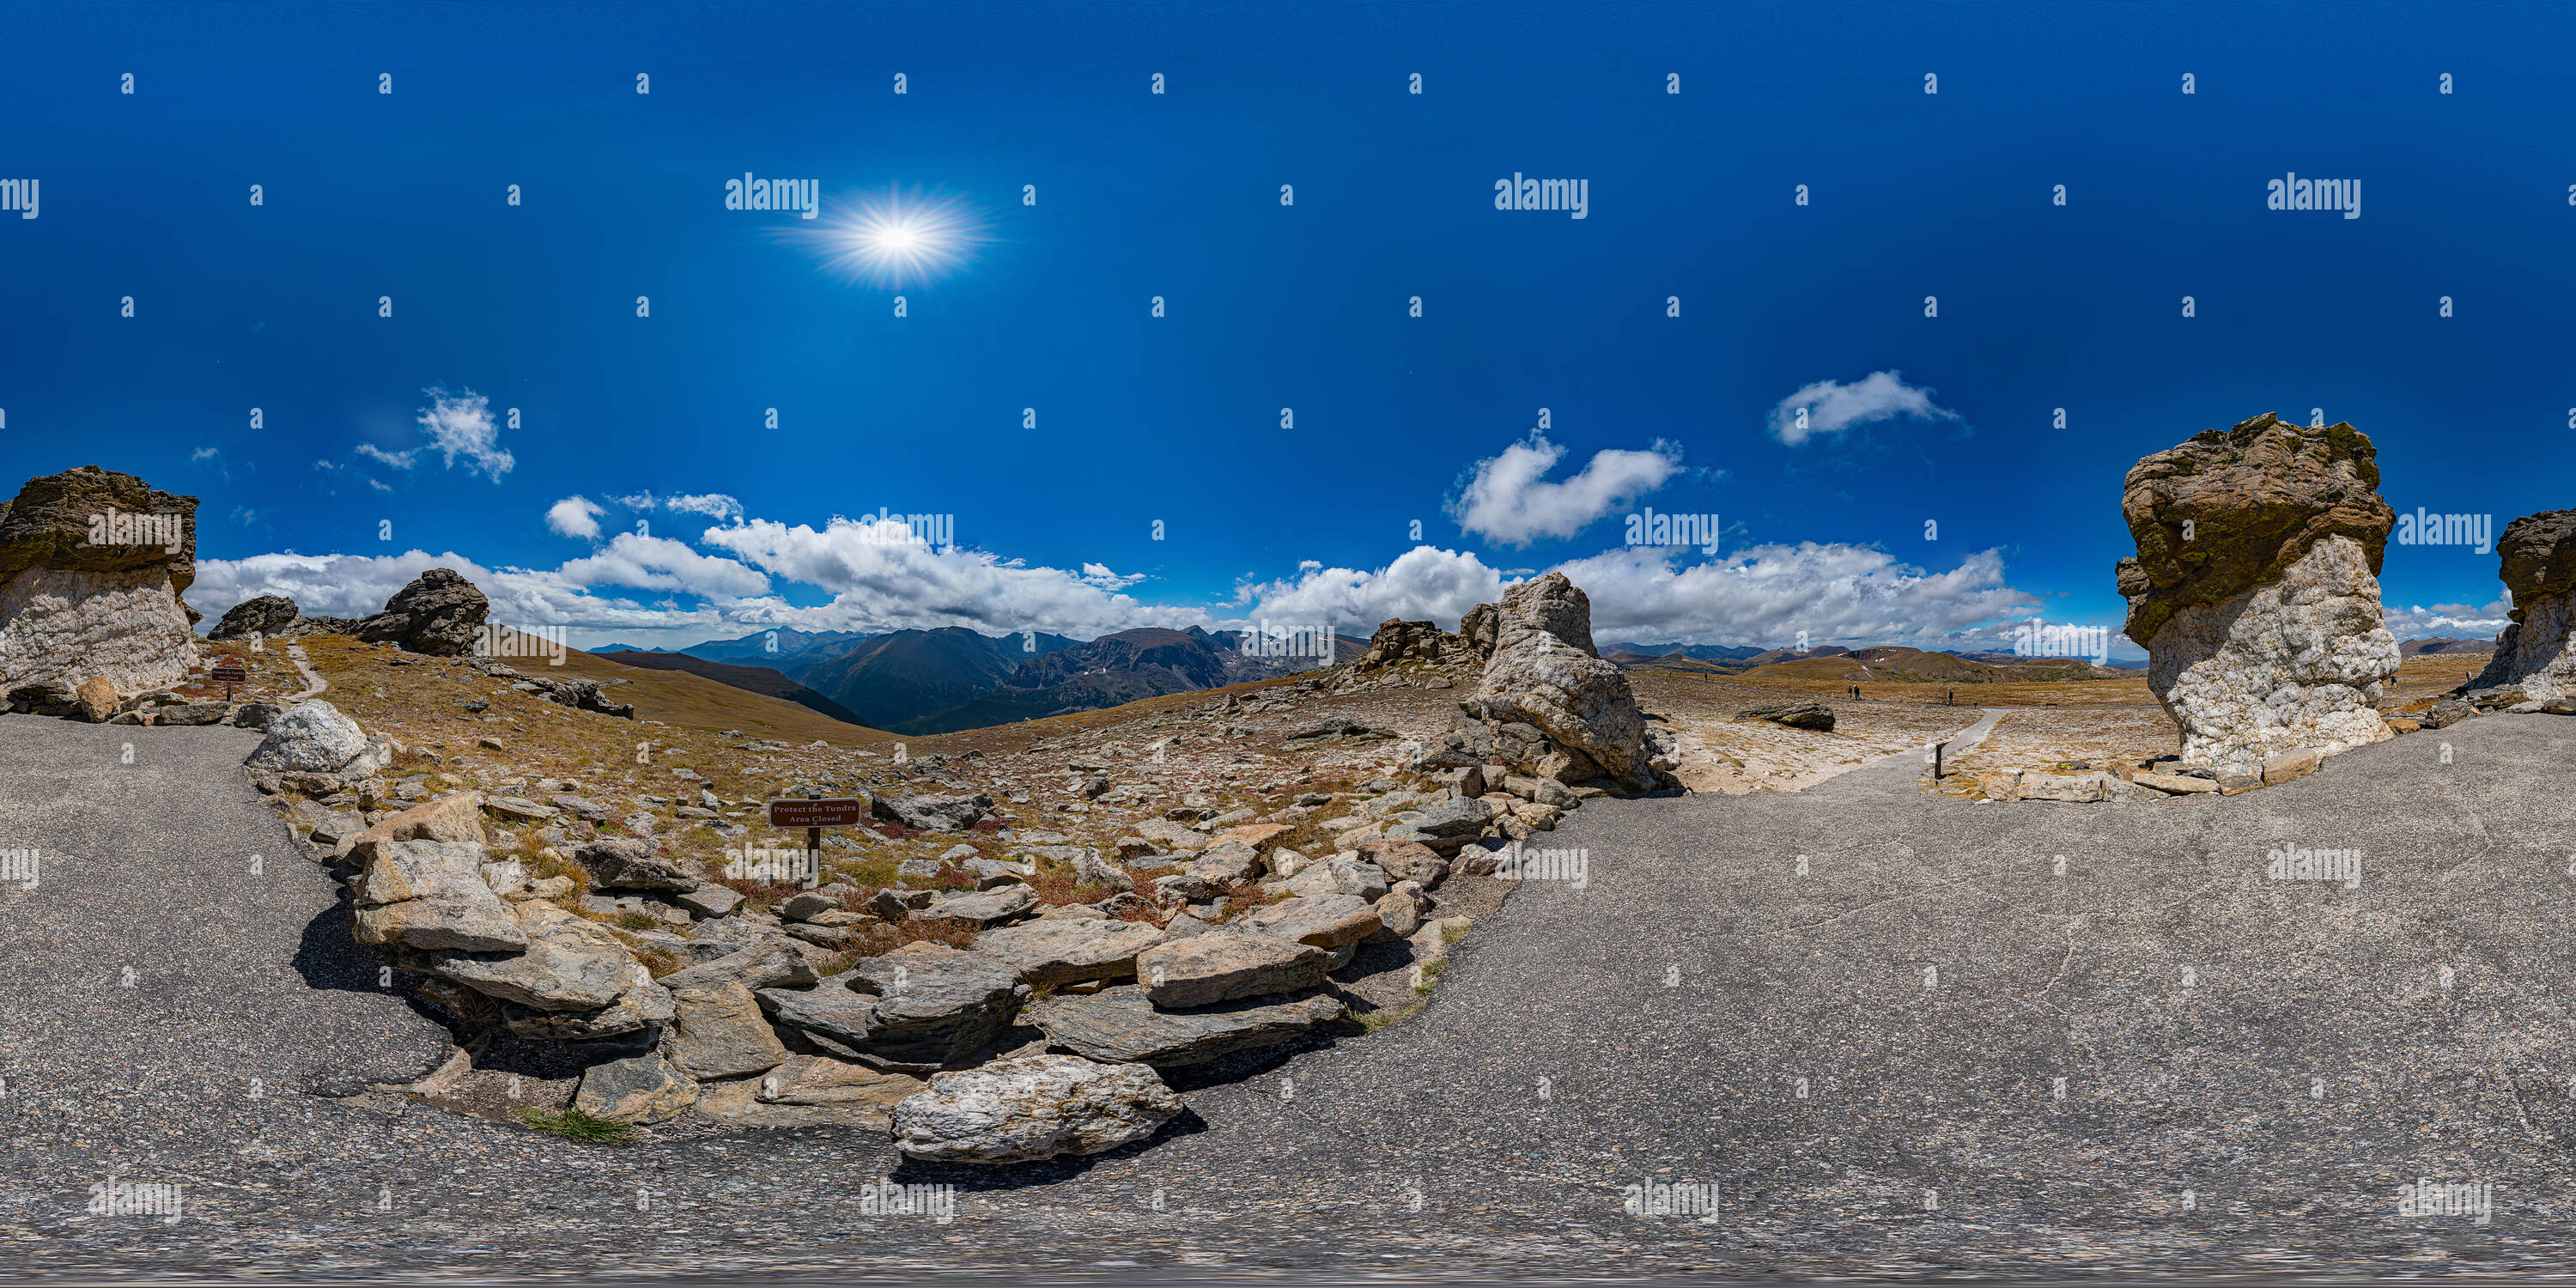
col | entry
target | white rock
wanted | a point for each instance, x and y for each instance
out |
(1031, 1108)
(2295, 663)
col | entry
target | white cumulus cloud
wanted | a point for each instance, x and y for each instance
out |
(1509, 499)
(462, 425)
(575, 516)
(1832, 407)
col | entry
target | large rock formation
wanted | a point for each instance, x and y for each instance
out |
(263, 616)
(2537, 654)
(1567, 711)
(92, 567)
(2255, 589)
(439, 612)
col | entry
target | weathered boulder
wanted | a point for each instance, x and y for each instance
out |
(2537, 653)
(570, 964)
(456, 817)
(93, 565)
(262, 615)
(638, 1089)
(2255, 589)
(1222, 967)
(1545, 673)
(1405, 860)
(431, 895)
(1341, 876)
(311, 736)
(915, 1009)
(643, 1005)
(1056, 952)
(1120, 1023)
(631, 863)
(1034, 1107)
(717, 1031)
(945, 812)
(439, 613)
(1796, 715)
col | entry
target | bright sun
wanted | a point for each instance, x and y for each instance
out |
(899, 240)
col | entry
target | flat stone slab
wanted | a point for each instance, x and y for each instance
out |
(1055, 952)
(1220, 968)
(1121, 1024)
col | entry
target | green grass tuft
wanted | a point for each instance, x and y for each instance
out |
(573, 1124)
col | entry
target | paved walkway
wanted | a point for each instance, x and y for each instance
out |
(1891, 1034)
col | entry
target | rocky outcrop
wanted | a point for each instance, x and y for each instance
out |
(2255, 589)
(1398, 641)
(439, 613)
(93, 565)
(1035, 1107)
(1568, 714)
(2537, 653)
(263, 617)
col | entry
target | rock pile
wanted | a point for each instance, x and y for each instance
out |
(93, 565)
(1403, 654)
(2536, 654)
(2255, 590)
(274, 617)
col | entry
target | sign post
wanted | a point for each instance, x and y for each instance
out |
(228, 673)
(813, 814)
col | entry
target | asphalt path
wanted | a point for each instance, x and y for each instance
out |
(1880, 1033)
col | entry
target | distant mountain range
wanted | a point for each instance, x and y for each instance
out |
(941, 681)
(2444, 644)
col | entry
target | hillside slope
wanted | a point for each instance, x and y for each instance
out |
(750, 679)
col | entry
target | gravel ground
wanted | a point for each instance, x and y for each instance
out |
(1845, 1011)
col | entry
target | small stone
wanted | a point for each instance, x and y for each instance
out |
(639, 1089)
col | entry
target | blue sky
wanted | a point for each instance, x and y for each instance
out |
(1176, 419)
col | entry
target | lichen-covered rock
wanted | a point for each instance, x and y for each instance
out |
(1796, 715)
(2537, 653)
(570, 963)
(1544, 673)
(2255, 590)
(93, 564)
(1050, 954)
(1121, 1023)
(2232, 509)
(1222, 967)
(1035, 1107)
(311, 736)
(438, 613)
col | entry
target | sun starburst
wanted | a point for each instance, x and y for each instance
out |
(900, 240)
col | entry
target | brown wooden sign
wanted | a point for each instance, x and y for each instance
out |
(800, 812)
(230, 673)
